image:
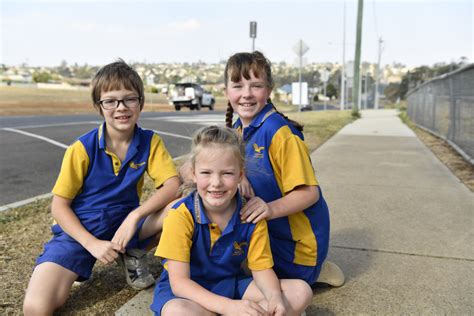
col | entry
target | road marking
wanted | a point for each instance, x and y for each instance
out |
(48, 195)
(171, 134)
(207, 119)
(51, 141)
(46, 139)
(59, 124)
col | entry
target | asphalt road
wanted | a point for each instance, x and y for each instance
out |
(31, 148)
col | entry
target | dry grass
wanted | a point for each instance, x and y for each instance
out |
(24, 230)
(320, 126)
(459, 166)
(32, 101)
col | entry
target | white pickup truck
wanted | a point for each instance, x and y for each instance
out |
(191, 95)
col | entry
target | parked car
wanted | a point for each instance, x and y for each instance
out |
(191, 95)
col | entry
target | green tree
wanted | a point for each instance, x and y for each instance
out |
(41, 76)
(331, 90)
(392, 91)
(422, 74)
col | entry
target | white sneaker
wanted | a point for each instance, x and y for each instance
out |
(331, 274)
(79, 283)
(134, 264)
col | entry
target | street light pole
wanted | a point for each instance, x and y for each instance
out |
(343, 74)
(253, 33)
(377, 75)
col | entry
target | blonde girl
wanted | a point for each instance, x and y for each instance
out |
(204, 244)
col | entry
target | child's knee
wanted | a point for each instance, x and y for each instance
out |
(37, 306)
(305, 291)
(178, 307)
(298, 293)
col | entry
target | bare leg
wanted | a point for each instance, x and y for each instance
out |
(296, 293)
(253, 293)
(182, 307)
(48, 289)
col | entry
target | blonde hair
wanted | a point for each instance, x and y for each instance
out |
(206, 137)
(218, 136)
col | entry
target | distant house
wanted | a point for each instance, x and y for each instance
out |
(284, 93)
(17, 75)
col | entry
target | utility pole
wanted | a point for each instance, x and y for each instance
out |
(355, 89)
(343, 72)
(377, 75)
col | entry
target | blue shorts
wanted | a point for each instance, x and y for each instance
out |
(233, 288)
(65, 251)
(296, 271)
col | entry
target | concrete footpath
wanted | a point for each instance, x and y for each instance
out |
(401, 225)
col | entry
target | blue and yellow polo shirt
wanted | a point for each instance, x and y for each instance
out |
(277, 161)
(96, 180)
(213, 255)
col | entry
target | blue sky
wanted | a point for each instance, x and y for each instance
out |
(418, 32)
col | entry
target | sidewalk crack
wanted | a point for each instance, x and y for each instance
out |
(404, 253)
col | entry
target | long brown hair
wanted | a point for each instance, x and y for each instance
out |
(241, 65)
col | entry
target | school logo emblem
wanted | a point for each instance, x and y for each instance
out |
(239, 248)
(258, 150)
(136, 165)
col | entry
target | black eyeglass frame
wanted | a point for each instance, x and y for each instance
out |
(117, 103)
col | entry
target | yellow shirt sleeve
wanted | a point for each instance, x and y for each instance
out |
(260, 255)
(289, 157)
(73, 171)
(160, 163)
(177, 236)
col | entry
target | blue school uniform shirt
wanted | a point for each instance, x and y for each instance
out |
(99, 184)
(214, 256)
(277, 161)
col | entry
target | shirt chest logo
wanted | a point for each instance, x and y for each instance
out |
(258, 150)
(136, 165)
(239, 248)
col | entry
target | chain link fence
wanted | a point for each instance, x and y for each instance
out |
(445, 107)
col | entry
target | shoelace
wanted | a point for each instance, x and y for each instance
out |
(142, 267)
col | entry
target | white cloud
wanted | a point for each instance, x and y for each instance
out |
(187, 25)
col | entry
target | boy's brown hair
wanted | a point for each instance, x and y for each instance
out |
(115, 76)
(241, 65)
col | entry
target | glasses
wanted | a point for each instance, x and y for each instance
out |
(110, 104)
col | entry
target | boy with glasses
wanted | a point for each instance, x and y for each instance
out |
(97, 194)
